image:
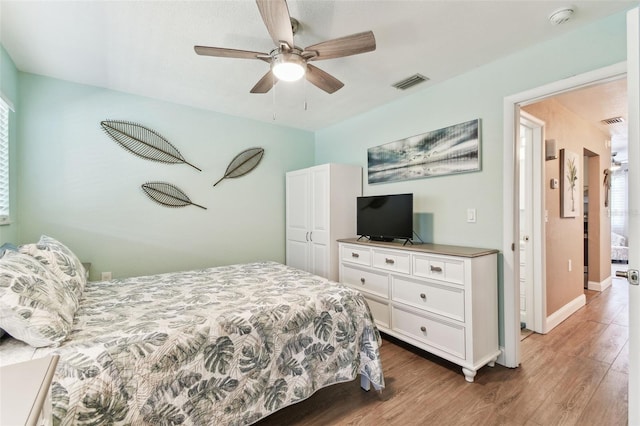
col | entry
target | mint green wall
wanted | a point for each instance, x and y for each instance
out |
(441, 202)
(9, 89)
(78, 185)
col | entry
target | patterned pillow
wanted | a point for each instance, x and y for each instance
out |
(60, 260)
(35, 306)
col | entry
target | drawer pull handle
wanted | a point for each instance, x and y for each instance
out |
(362, 281)
(436, 268)
(356, 255)
(423, 296)
(389, 261)
(423, 329)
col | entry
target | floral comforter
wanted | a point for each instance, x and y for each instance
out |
(224, 346)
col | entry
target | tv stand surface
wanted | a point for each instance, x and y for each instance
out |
(442, 299)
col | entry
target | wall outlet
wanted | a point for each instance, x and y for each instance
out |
(106, 276)
(570, 265)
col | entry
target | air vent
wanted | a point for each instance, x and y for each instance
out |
(410, 82)
(613, 120)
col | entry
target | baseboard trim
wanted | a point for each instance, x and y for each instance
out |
(563, 313)
(599, 286)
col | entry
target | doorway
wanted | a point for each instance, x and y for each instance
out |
(512, 104)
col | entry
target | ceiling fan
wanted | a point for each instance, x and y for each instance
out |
(289, 62)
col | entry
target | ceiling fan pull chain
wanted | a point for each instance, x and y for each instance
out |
(306, 105)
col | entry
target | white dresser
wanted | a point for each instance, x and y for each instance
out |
(443, 299)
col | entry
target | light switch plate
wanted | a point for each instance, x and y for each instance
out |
(471, 215)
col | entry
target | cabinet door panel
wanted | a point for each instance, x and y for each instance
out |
(297, 206)
(319, 258)
(319, 202)
(297, 254)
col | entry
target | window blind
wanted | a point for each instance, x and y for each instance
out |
(619, 207)
(4, 162)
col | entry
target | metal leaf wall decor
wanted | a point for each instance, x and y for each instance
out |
(243, 163)
(168, 195)
(143, 142)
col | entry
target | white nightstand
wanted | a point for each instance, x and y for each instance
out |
(25, 397)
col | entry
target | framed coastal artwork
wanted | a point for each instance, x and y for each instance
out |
(570, 195)
(446, 151)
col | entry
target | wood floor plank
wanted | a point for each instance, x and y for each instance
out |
(607, 346)
(621, 364)
(570, 397)
(536, 382)
(608, 406)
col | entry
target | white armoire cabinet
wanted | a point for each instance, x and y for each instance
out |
(321, 208)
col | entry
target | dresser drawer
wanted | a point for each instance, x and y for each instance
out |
(380, 312)
(356, 254)
(392, 261)
(440, 268)
(431, 331)
(440, 299)
(366, 280)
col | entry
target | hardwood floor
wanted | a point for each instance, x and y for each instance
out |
(575, 375)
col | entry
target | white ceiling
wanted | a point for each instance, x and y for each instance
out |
(146, 47)
(601, 102)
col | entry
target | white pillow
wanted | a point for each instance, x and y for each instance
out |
(35, 305)
(60, 260)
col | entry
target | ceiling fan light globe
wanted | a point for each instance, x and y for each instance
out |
(288, 67)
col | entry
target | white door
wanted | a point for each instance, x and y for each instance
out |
(319, 230)
(532, 236)
(297, 219)
(633, 88)
(526, 224)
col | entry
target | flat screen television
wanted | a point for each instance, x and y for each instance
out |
(385, 217)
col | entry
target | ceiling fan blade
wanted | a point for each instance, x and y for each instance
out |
(228, 53)
(265, 83)
(344, 46)
(323, 79)
(275, 15)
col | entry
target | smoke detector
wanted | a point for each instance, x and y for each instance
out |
(561, 15)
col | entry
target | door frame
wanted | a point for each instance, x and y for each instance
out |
(633, 86)
(510, 187)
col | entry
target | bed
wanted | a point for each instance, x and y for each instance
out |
(225, 345)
